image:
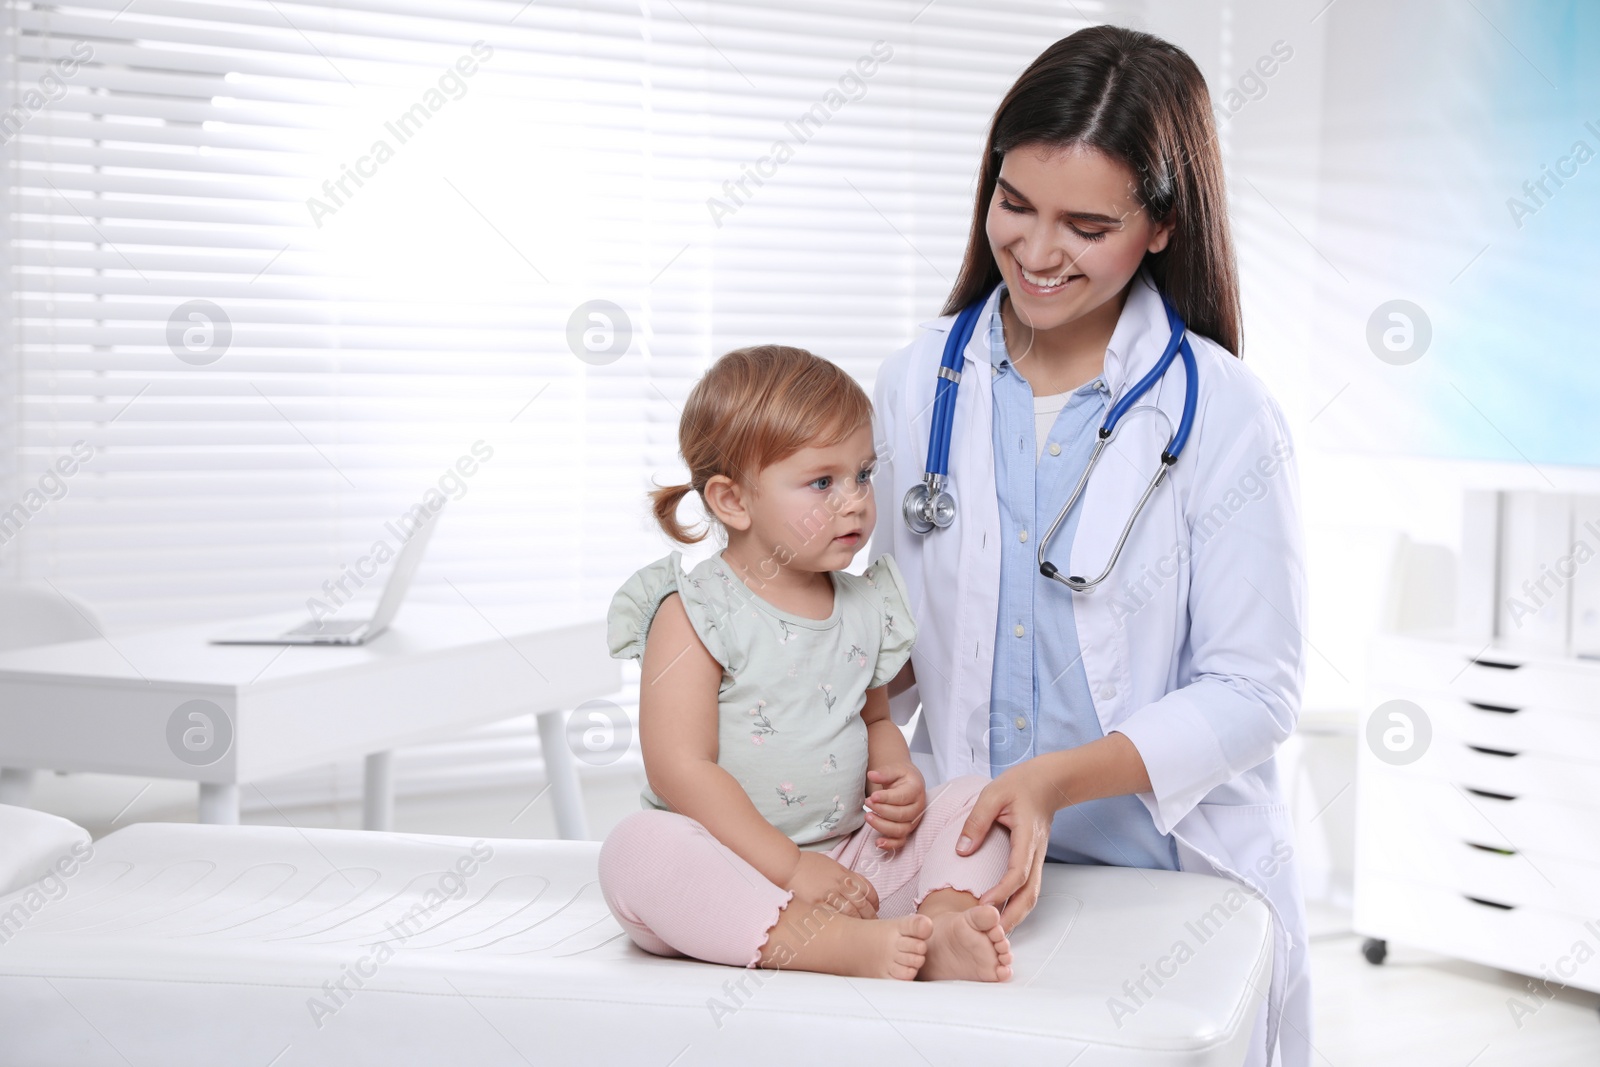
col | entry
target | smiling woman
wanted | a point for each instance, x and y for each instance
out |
(1131, 723)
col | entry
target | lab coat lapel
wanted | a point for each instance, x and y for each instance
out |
(978, 581)
(974, 554)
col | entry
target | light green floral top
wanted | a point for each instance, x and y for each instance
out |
(789, 707)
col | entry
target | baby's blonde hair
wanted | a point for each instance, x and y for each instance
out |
(755, 407)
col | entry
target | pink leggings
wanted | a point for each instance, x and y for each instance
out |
(678, 891)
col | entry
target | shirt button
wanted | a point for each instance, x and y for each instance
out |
(1020, 630)
(1055, 449)
(1107, 692)
(1022, 724)
(1022, 535)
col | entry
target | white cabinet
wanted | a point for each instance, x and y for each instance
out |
(1487, 846)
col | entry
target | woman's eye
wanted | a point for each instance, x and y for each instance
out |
(1097, 235)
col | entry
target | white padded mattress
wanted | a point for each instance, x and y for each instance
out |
(208, 945)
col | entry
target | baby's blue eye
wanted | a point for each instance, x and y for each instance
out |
(863, 477)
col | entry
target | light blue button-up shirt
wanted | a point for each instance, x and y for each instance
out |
(1040, 693)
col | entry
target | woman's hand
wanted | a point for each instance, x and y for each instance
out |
(1019, 800)
(1025, 799)
(897, 804)
(821, 879)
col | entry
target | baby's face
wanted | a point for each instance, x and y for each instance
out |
(818, 503)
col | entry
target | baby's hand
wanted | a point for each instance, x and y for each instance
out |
(821, 879)
(898, 803)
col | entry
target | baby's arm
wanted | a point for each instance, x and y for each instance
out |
(678, 733)
(902, 681)
(901, 796)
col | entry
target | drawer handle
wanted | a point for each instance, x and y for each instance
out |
(1491, 848)
(1494, 751)
(1489, 903)
(1488, 795)
(1499, 665)
(1493, 707)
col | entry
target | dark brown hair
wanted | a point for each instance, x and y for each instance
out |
(1142, 102)
(755, 407)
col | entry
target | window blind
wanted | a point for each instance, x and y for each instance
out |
(278, 271)
(287, 269)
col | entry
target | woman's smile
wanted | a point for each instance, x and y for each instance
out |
(1044, 285)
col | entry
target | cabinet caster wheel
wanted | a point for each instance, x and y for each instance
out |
(1375, 950)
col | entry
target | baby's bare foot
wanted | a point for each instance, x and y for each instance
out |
(968, 944)
(907, 938)
(842, 944)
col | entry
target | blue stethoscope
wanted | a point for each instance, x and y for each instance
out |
(928, 504)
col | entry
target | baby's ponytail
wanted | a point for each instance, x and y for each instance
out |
(664, 501)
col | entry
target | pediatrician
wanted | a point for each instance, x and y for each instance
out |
(1131, 721)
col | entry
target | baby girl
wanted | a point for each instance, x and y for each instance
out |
(764, 712)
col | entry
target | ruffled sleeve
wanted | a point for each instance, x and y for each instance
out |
(634, 607)
(899, 628)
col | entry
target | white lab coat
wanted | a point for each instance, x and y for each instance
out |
(1192, 647)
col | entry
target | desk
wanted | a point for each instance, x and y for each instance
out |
(166, 704)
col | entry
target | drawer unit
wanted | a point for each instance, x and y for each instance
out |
(1487, 846)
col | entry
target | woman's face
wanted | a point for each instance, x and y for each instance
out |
(1068, 218)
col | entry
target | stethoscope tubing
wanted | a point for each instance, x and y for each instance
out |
(944, 397)
(944, 421)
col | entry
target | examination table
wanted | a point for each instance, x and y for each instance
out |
(179, 944)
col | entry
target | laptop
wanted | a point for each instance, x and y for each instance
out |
(348, 631)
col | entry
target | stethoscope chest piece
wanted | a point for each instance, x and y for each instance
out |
(928, 505)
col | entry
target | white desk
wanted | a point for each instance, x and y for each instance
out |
(113, 705)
